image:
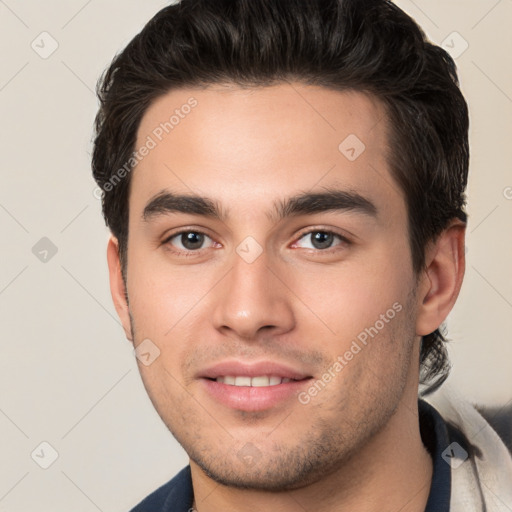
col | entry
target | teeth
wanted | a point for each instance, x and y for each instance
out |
(274, 380)
(242, 381)
(259, 381)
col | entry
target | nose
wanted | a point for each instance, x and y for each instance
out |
(252, 300)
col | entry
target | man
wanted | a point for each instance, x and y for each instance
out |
(284, 183)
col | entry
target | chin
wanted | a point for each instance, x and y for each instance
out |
(268, 474)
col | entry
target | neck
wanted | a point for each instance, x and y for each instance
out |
(393, 471)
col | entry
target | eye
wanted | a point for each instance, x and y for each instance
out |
(187, 241)
(322, 239)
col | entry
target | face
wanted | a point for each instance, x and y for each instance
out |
(281, 299)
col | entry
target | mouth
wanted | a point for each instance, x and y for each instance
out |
(253, 386)
(261, 381)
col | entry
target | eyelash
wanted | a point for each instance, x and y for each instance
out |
(344, 241)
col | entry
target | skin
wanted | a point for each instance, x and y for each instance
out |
(356, 445)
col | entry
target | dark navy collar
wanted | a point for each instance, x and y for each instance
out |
(435, 437)
(177, 495)
(174, 496)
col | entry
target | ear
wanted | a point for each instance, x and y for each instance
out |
(442, 278)
(117, 286)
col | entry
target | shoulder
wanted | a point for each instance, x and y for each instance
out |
(500, 419)
(173, 496)
(473, 418)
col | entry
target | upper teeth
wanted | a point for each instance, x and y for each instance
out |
(260, 381)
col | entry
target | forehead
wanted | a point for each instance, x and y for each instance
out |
(247, 147)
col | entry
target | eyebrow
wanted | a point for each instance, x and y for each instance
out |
(306, 203)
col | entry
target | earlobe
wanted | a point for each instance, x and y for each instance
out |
(118, 286)
(442, 278)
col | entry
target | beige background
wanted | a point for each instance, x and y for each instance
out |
(68, 376)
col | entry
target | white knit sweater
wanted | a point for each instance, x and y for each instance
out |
(483, 481)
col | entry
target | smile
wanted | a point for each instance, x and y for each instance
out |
(260, 381)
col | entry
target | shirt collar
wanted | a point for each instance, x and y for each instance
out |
(435, 437)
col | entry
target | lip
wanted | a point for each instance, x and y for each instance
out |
(238, 368)
(247, 398)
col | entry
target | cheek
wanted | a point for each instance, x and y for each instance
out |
(169, 394)
(344, 301)
(366, 376)
(382, 279)
(162, 297)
